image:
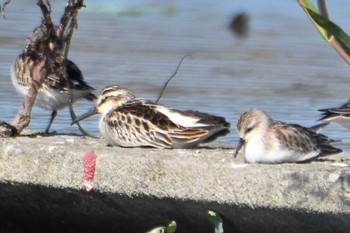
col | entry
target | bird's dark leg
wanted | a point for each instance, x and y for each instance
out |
(53, 116)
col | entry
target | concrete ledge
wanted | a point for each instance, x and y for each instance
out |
(137, 189)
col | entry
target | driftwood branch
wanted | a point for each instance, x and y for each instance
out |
(66, 32)
(47, 61)
(41, 67)
(22, 118)
(46, 11)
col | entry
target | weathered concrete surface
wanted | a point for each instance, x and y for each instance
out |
(137, 189)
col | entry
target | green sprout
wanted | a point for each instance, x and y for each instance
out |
(171, 228)
(216, 221)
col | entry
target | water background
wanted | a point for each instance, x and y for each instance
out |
(283, 66)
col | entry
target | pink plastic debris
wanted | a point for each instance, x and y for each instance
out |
(89, 163)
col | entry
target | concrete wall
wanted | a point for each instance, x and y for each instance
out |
(137, 189)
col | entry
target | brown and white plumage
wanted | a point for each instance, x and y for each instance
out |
(340, 115)
(264, 140)
(53, 94)
(129, 121)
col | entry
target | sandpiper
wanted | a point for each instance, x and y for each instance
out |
(264, 140)
(340, 115)
(128, 121)
(53, 94)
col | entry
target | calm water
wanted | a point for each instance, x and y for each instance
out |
(283, 66)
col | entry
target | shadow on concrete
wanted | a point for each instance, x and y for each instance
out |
(35, 209)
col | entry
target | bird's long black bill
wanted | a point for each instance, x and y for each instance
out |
(91, 112)
(239, 147)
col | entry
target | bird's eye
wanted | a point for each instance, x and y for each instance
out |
(249, 129)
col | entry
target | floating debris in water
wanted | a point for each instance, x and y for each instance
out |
(239, 24)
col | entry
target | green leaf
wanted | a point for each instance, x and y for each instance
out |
(327, 28)
(216, 221)
(308, 4)
(171, 228)
(309, 7)
(334, 30)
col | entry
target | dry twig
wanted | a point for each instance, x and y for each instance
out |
(172, 76)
